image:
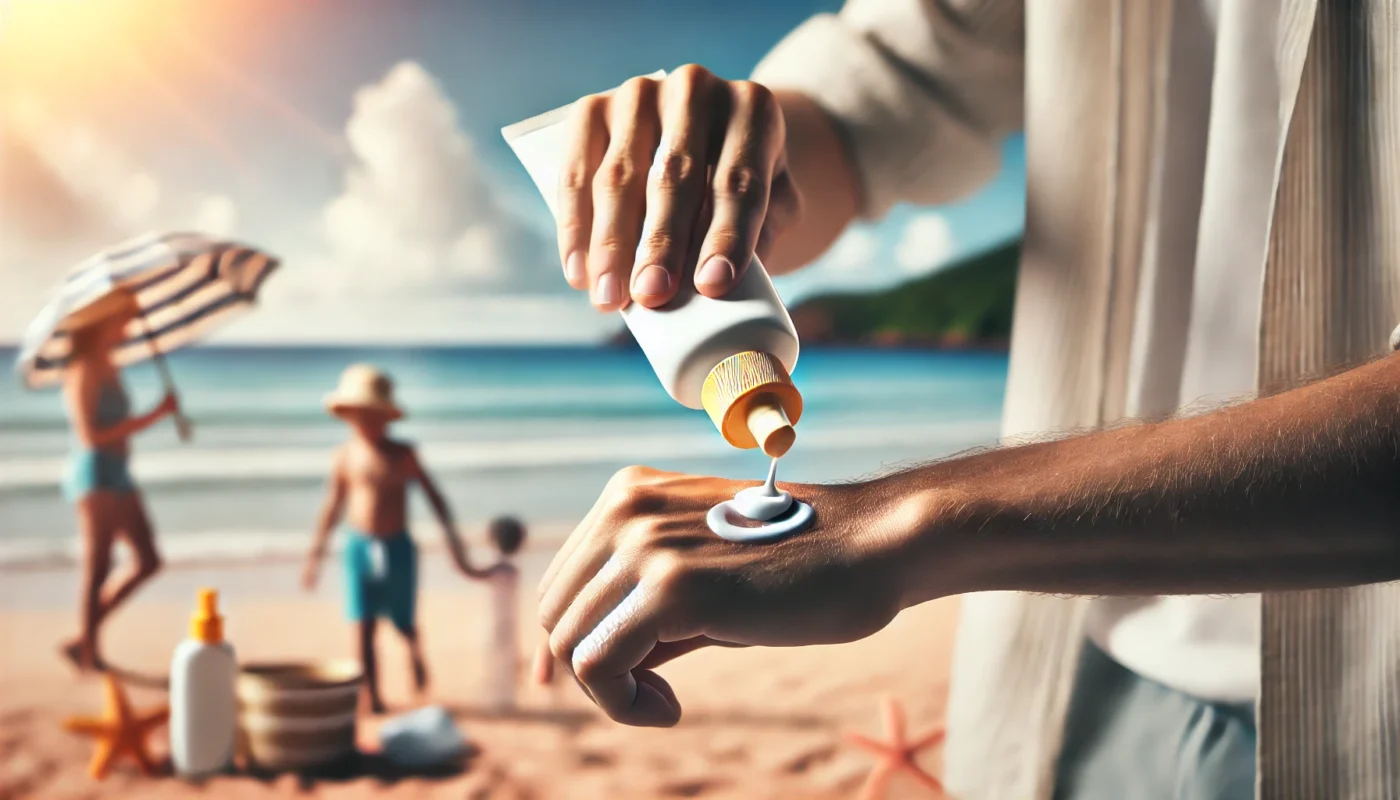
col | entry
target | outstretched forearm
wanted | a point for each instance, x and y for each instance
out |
(120, 432)
(455, 546)
(1299, 490)
(325, 524)
(331, 510)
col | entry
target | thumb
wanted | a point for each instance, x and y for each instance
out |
(784, 212)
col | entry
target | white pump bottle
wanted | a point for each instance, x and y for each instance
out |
(203, 708)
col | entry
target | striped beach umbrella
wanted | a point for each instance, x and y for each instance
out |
(185, 284)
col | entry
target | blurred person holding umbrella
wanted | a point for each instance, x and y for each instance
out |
(98, 481)
(133, 302)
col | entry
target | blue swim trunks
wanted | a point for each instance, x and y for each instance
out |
(381, 578)
(92, 469)
(96, 470)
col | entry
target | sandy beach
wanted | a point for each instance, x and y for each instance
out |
(758, 723)
(533, 433)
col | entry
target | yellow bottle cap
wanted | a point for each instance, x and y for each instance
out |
(206, 625)
(752, 401)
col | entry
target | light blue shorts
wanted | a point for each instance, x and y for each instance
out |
(381, 578)
(1128, 738)
(96, 470)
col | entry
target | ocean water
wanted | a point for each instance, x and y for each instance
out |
(535, 432)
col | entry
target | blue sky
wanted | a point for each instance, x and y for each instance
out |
(254, 115)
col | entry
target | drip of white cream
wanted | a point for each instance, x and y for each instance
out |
(767, 504)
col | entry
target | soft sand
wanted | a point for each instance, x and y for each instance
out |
(758, 723)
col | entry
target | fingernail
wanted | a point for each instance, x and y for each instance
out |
(573, 267)
(605, 291)
(715, 272)
(652, 281)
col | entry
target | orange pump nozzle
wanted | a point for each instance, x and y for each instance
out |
(206, 625)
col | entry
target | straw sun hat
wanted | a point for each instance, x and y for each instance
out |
(364, 387)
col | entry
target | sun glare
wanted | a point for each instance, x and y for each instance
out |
(146, 58)
(66, 47)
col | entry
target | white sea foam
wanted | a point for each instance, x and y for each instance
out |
(231, 465)
(208, 468)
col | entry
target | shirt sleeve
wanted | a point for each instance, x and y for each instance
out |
(923, 91)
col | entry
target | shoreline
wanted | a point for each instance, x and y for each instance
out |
(234, 549)
(54, 589)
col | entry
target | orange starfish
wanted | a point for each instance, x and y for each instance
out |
(897, 755)
(119, 731)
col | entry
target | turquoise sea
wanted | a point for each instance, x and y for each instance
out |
(529, 431)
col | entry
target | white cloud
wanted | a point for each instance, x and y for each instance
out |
(926, 244)
(418, 213)
(66, 191)
(216, 215)
(419, 243)
(855, 250)
(423, 319)
(481, 254)
(100, 174)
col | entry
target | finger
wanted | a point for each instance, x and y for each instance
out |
(619, 482)
(665, 652)
(702, 224)
(606, 661)
(602, 593)
(739, 187)
(566, 550)
(619, 192)
(587, 141)
(542, 670)
(675, 185)
(587, 559)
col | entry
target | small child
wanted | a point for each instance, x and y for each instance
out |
(507, 534)
(369, 482)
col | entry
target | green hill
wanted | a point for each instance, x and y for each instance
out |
(965, 304)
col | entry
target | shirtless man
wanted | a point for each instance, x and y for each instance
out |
(369, 482)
